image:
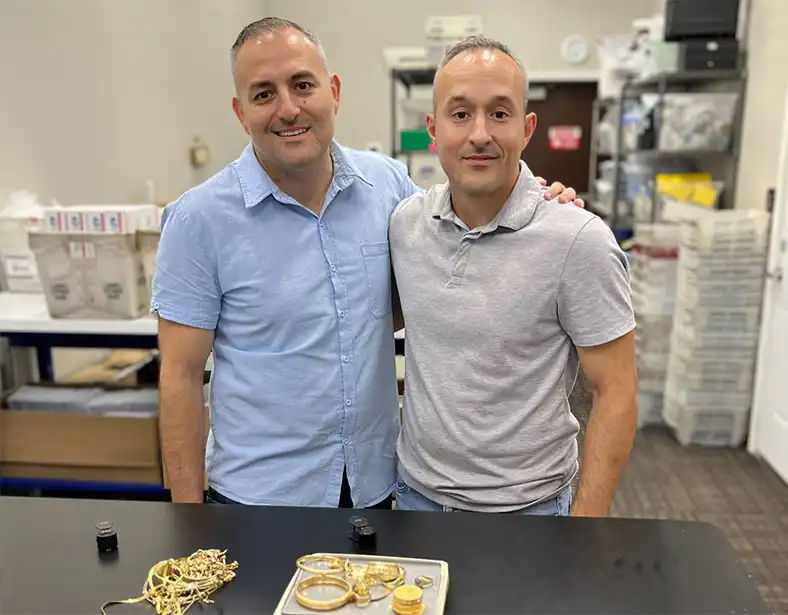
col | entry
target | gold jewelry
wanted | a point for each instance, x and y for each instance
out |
(385, 571)
(423, 581)
(323, 605)
(174, 585)
(407, 600)
(363, 597)
(334, 564)
(386, 591)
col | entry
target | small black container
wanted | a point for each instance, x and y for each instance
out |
(106, 537)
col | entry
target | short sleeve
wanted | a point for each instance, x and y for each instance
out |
(594, 297)
(186, 287)
(408, 186)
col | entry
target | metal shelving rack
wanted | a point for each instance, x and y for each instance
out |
(661, 85)
(408, 78)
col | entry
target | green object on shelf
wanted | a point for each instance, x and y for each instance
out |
(414, 140)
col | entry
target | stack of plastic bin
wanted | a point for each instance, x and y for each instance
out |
(653, 280)
(722, 258)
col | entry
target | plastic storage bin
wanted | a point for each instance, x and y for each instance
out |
(727, 233)
(697, 121)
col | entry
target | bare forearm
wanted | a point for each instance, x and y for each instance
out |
(606, 449)
(182, 420)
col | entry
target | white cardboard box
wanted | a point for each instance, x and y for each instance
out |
(113, 219)
(89, 275)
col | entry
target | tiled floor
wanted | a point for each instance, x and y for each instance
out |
(726, 487)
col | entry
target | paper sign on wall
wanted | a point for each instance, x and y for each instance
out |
(564, 137)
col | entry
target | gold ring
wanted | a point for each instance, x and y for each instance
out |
(323, 605)
(335, 565)
(386, 591)
(396, 582)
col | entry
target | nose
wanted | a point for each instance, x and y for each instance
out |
(288, 109)
(480, 133)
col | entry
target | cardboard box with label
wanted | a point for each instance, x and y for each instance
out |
(86, 275)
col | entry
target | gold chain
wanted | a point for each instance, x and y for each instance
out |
(174, 585)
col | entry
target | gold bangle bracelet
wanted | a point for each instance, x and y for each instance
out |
(323, 605)
(335, 565)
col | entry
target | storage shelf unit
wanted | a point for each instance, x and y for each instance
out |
(661, 85)
(409, 78)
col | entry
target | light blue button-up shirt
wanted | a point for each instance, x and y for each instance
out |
(304, 380)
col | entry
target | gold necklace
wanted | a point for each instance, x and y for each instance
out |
(174, 585)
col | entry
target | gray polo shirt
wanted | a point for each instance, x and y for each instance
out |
(492, 319)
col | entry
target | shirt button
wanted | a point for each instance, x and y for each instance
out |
(342, 314)
(347, 402)
(333, 267)
(345, 358)
(345, 441)
(321, 223)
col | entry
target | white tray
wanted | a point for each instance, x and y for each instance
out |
(434, 598)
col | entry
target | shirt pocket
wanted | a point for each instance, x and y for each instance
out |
(377, 263)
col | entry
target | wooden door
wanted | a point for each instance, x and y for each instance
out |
(563, 111)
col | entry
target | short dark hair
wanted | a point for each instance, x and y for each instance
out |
(270, 25)
(472, 43)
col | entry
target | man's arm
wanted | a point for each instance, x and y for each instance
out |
(595, 309)
(612, 375)
(184, 351)
(188, 299)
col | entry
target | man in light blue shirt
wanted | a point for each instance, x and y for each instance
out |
(280, 265)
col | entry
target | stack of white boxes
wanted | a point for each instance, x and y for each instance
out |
(442, 32)
(90, 262)
(715, 335)
(653, 281)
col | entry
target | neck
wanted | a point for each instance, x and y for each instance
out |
(475, 210)
(307, 184)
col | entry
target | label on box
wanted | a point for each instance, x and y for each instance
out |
(19, 267)
(114, 222)
(82, 249)
(94, 222)
(55, 221)
(74, 221)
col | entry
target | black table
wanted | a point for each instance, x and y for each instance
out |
(497, 563)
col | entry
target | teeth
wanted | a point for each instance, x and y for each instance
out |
(292, 133)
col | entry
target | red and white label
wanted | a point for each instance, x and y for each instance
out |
(565, 137)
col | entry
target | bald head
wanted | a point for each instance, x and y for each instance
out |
(481, 52)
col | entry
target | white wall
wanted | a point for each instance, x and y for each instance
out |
(354, 33)
(100, 95)
(767, 68)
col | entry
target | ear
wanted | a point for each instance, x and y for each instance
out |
(431, 125)
(239, 113)
(335, 88)
(529, 125)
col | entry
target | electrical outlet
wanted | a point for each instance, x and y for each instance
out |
(374, 146)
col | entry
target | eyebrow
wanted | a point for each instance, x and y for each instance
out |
(298, 76)
(463, 99)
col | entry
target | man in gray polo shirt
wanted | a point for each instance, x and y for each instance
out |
(503, 296)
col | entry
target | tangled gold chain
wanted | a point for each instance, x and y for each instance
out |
(174, 585)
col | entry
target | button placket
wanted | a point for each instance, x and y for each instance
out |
(461, 260)
(344, 324)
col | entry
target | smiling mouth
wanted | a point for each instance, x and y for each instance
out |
(482, 158)
(291, 133)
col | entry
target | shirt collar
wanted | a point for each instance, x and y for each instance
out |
(516, 212)
(256, 185)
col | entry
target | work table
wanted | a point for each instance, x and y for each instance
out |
(497, 563)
